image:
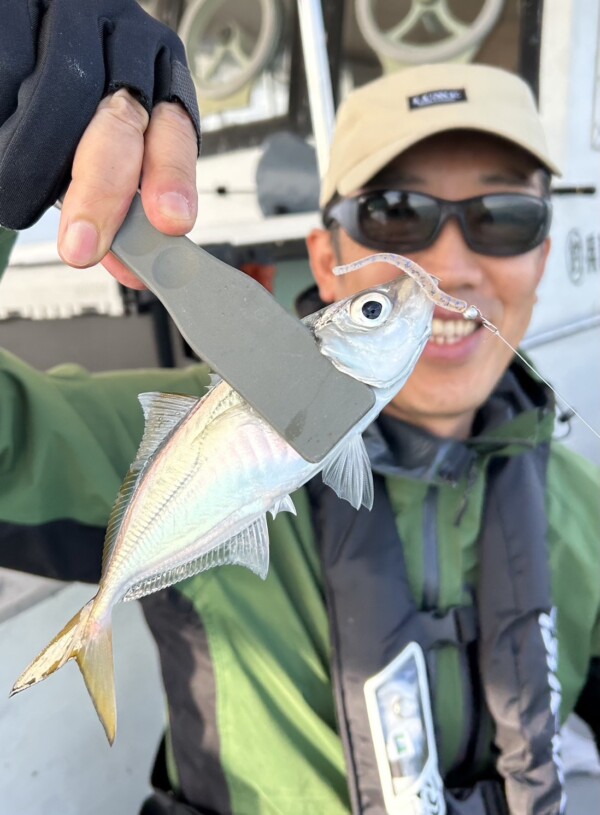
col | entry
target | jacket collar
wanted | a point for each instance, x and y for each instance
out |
(518, 416)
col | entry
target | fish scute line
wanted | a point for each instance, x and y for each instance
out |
(149, 521)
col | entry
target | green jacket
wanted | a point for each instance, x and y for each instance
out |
(260, 651)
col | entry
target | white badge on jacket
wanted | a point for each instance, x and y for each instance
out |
(399, 710)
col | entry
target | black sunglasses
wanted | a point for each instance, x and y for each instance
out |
(499, 224)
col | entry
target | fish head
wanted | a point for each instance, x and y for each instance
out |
(377, 335)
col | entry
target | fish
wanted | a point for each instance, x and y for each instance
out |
(208, 470)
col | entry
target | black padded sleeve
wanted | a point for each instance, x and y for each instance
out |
(63, 549)
(58, 59)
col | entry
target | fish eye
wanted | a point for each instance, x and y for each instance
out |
(370, 309)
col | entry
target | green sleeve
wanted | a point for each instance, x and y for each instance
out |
(67, 437)
(7, 241)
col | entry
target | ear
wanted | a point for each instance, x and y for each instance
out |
(545, 251)
(322, 257)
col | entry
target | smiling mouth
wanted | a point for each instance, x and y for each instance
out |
(450, 332)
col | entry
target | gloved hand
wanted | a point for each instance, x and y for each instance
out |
(61, 62)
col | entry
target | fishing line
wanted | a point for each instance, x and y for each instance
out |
(430, 286)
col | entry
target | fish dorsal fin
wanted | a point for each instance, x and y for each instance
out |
(284, 504)
(118, 511)
(249, 548)
(349, 474)
(162, 412)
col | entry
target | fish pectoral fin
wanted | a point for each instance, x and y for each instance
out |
(284, 504)
(349, 474)
(91, 647)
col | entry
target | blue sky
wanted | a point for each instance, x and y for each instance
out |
(46, 229)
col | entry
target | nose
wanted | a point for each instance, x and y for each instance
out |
(451, 260)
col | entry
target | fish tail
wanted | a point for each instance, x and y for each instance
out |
(88, 641)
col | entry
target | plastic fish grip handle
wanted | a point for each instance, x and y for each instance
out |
(243, 333)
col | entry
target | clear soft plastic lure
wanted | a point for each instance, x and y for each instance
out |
(427, 282)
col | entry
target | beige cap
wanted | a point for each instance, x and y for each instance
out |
(382, 119)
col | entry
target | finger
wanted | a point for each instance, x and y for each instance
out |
(105, 177)
(122, 273)
(169, 192)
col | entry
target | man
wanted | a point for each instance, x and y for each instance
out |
(482, 537)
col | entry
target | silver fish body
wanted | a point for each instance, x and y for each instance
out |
(207, 472)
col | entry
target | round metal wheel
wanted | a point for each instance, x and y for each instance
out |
(226, 53)
(437, 17)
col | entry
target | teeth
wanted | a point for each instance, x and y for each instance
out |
(448, 332)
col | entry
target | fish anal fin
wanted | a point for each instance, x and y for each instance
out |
(90, 644)
(249, 548)
(349, 474)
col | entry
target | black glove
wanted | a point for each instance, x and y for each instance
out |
(58, 59)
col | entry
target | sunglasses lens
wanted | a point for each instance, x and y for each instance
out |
(500, 224)
(505, 225)
(395, 219)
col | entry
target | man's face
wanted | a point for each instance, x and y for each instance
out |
(457, 371)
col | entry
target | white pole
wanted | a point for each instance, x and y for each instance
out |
(318, 78)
